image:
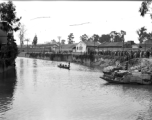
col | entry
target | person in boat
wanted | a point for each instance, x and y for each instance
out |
(69, 65)
(60, 65)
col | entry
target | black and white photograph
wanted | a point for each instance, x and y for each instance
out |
(75, 60)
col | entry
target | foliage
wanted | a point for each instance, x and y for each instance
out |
(53, 41)
(21, 34)
(70, 38)
(90, 39)
(144, 8)
(95, 37)
(12, 23)
(104, 38)
(62, 42)
(84, 37)
(142, 34)
(35, 41)
(117, 37)
(8, 14)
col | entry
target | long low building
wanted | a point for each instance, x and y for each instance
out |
(39, 48)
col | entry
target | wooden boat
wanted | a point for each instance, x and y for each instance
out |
(121, 79)
(64, 67)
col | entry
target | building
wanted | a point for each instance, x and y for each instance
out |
(146, 45)
(66, 48)
(117, 46)
(112, 46)
(39, 48)
(87, 46)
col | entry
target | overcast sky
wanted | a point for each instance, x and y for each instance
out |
(101, 17)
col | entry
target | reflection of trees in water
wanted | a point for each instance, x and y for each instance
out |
(35, 63)
(35, 76)
(35, 71)
(7, 86)
(139, 93)
(21, 66)
(21, 63)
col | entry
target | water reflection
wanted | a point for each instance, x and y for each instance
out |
(45, 92)
(35, 71)
(141, 94)
(7, 86)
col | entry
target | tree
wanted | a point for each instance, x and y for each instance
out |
(142, 34)
(84, 37)
(144, 8)
(21, 34)
(90, 39)
(62, 42)
(115, 36)
(95, 37)
(104, 38)
(35, 41)
(8, 14)
(112, 35)
(70, 38)
(53, 41)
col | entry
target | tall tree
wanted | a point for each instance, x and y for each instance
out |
(142, 34)
(116, 36)
(104, 38)
(122, 34)
(90, 39)
(62, 42)
(70, 38)
(145, 7)
(95, 37)
(84, 37)
(113, 35)
(53, 41)
(35, 41)
(21, 34)
(8, 14)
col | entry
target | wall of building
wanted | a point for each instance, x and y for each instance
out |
(81, 47)
(118, 49)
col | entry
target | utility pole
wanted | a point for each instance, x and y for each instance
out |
(27, 40)
(59, 37)
(123, 33)
(145, 43)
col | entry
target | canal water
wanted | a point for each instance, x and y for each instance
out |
(39, 90)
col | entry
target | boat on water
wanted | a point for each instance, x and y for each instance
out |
(64, 66)
(127, 77)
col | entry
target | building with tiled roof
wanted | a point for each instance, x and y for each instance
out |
(114, 46)
(66, 48)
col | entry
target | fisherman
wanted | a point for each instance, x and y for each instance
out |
(69, 65)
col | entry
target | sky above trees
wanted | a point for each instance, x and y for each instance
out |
(60, 18)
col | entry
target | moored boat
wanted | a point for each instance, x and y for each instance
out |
(126, 77)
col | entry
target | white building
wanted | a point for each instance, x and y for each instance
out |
(87, 46)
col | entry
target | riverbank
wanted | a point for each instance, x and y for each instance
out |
(98, 60)
(6, 69)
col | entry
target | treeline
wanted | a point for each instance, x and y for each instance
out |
(112, 36)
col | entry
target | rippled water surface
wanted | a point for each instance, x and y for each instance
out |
(39, 90)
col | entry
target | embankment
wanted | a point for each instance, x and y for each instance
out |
(89, 60)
